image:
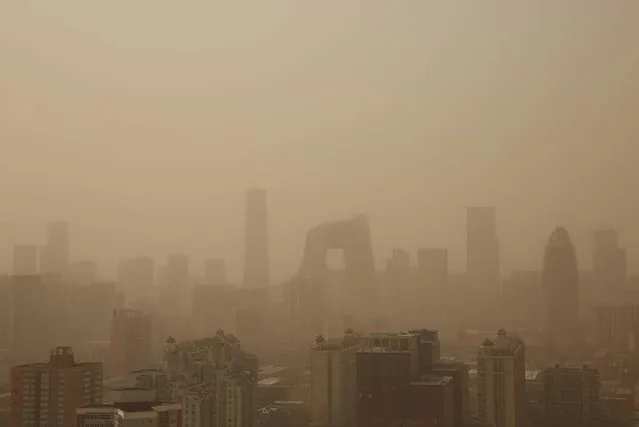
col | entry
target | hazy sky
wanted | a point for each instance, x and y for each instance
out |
(142, 122)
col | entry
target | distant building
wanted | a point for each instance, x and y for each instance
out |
(123, 414)
(482, 251)
(501, 381)
(48, 394)
(131, 338)
(609, 262)
(561, 284)
(25, 260)
(386, 365)
(571, 396)
(56, 252)
(333, 383)
(256, 255)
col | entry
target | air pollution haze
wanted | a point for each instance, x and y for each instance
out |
(143, 123)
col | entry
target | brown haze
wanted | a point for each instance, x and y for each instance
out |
(143, 122)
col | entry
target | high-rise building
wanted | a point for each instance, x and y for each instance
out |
(48, 394)
(25, 260)
(256, 256)
(177, 271)
(501, 381)
(482, 250)
(561, 284)
(215, 272)
(131, 340)
(121, 414)
(386, 365)
(333, 383)
(55, 255)
(571, 396)
(609, 261)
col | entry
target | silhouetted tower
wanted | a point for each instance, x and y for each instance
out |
(561, 283)
(482, 250)
(56, 252)
(256, 257)
(609, 261)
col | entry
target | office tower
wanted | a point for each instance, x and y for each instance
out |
(501, 381)
(25, 260)
(136, 276)
(333, 383)
(616, 327)
(561, 284)
(571, 396)
(83, 273)
(609, 262)
(403, 299)
(33, 329)
(177, 271)
(256, 256)
(215, 272)
(214, 307)
(459, 373)
(123, 414)
(432, 401)
(56, 251)
(48, 394)
(353, 237)
(429, 348)
(131, 340)
(482, 250)
(383, 396)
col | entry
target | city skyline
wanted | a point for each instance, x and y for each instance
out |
(156, 164)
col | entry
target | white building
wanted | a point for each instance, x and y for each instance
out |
(501, 381)
(333, 384)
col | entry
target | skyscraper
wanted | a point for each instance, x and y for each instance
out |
(482, 250)
(56, 251)
(561, 284)
(256, 256)
(333, 383)
(25, 260)
(501, 381)
(609, 261)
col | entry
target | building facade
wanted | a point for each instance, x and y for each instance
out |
(501, 381)
(48, 394)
